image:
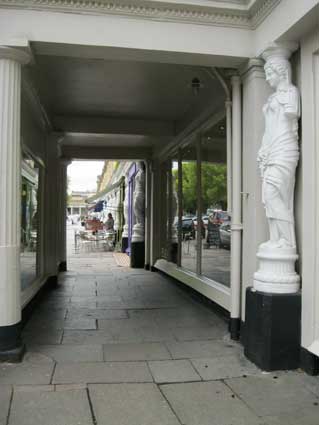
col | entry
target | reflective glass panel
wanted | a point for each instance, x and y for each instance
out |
(189, 208)
(215, 218)
(29, 221)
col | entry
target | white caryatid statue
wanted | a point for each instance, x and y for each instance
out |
(139, 204)
(125, 209)
(277, 159)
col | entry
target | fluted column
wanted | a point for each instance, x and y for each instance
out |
(11, 347)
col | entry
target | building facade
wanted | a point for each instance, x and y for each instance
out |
(76, 204)
(182, 91)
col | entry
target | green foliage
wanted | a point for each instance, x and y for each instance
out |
(214, 186)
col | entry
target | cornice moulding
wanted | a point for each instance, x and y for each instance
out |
(228, 14)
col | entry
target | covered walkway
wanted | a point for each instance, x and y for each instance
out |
(116, 346)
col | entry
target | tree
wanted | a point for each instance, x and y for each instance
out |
(214, 186)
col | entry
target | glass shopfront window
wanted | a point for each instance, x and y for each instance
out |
(29, 221)
(215, 258)
(195, 215)
(172, 209)
(189, 203)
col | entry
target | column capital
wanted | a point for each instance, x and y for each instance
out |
(14, 54)
(252, 65)
(235, 79)
(65, 161)
(281, 51)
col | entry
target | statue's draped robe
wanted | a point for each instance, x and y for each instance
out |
(278, 156)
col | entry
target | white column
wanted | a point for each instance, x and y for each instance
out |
(51, 201)
(228, 106)
(155, 207)
(62, 213)
(236, 225)
(10, 186)
(147, 213)
(255, 93)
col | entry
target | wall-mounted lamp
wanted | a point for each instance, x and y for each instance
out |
(196, 85)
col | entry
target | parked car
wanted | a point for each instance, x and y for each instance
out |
(205, 220)
(219, 217)
(188, 229)
(225, 234)
(203, 227)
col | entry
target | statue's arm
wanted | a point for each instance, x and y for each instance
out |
(292, 106)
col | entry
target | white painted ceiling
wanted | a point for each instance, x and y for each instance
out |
(87, 95)
(137, 90)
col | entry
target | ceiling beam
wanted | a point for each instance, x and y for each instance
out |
(104, 153)
(101, 125)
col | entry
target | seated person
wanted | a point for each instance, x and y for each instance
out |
(109, 224)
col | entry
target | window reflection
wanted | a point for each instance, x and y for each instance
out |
(189, 209)
(216, 245)
(29, 221)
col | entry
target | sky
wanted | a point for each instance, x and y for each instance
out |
(83, 175)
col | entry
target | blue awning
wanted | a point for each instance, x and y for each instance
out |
(99, 206)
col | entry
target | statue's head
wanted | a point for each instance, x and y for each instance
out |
(277, 70)
(277, 67)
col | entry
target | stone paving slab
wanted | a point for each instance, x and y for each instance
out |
(202, 349)
(156, 334)
(71, 353)
(173, 371)
(309, 416)
(208, 403)
(130, 404)
(43, 324)
(224, 367)
(5, 398)
(116, 372)
(199, 332)
(75, 337)
(135, 352)
(311, 382)
(273, 394)
(39, 324)
(25, 373)
(38, 388)
(83, 303)
(40, 337)
(50, 408)
(96, 313)
(40, 314)
(80, 323)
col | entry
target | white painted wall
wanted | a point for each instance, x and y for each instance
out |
(310, 190)
(285, 16)
(188, 43)
(33, 136)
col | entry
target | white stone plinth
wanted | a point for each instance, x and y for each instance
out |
(276, 272)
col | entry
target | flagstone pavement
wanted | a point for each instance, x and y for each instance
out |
(116, 346)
